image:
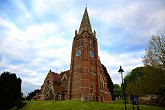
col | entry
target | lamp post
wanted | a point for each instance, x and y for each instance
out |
(121, 71)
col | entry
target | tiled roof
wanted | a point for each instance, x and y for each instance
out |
(56, 76)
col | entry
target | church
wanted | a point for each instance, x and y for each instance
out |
(86, 80)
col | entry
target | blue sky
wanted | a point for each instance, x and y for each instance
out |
(36, 35)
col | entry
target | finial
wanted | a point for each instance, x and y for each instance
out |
(94, 33)
(75, 32)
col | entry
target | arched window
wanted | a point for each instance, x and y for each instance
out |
(101, 83)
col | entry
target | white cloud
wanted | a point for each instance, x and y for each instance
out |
(128, 61)
(132, 22)
(42, 6)
(122, 58)
(156, 21)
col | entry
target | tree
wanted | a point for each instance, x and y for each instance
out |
(155, 53)
(117, 91)
(109, 80)
(10, 90)
(133, 81)
(154, 60)
(146, 80)
(32, 94)
(154, 80)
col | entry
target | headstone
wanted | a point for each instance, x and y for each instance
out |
(82, 98)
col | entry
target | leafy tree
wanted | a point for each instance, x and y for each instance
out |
(109, 80)
(154, 60)
(117, 91)
(132, 76)
(145, 80)
(133, 81)
(32, 94)
(10, 90)
(154, 80)
(155, 53)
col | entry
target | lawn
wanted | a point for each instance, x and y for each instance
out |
(77, 105)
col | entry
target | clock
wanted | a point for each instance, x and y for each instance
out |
(78, 52)
(91, 53)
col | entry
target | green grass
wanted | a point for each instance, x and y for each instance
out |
(77, 105)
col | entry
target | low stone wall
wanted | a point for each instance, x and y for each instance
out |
(154, 100)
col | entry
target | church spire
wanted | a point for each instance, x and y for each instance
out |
(85, 23)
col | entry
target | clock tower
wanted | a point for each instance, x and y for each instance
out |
(87, 79)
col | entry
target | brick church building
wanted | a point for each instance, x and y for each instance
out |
(86, 79)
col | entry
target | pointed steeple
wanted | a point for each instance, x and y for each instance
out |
(85, 23)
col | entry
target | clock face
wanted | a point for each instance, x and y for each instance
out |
(78, 52)
(91, 53)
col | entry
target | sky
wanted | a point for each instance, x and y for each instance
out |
(37, 35)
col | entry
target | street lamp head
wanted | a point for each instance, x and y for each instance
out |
(121, 70)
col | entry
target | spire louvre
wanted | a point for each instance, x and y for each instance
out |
(85, 23)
